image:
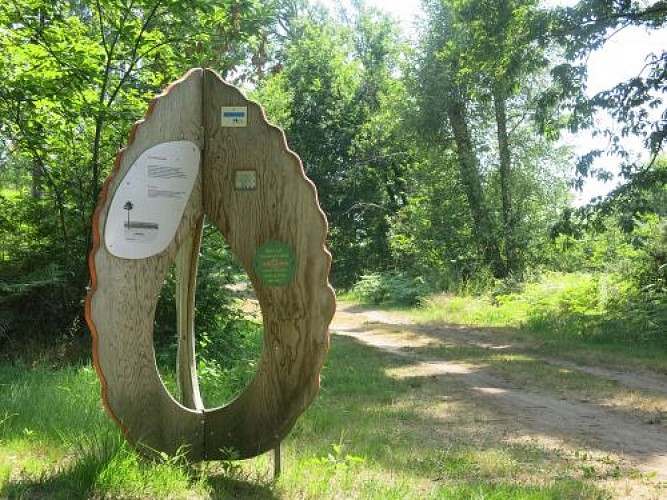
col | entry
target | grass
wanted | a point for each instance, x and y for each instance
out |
(576, 315)
(218, 384)
(555, 294)
(376, 430)
(368, 435)
(546, 320)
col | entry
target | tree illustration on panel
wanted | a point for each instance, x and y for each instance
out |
(128, 206)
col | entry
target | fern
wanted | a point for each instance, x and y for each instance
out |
(47, 276)
(5, 324)
(390, 287)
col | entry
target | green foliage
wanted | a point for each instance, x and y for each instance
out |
(338, 458)
(334, 95)
(390, 287)
(34, 302)
(431, 235)
(650, 265)
(488, 176)
(623, 234)
(581, 29)
(581, 307)
(228, 340)
(224, 373)
(74, 76)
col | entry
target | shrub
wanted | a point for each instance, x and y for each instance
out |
(390, 287)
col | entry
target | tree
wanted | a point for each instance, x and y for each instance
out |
(503, 52)
(74, 75)
(479, 68)
(329, 95)
(445, 96)
(581, 29)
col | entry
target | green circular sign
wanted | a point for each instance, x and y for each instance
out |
(275, 263)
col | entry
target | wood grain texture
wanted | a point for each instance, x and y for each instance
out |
(186, 285)
(124, 293)
(121, 303)
(283, 207)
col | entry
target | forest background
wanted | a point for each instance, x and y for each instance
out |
(437, 160)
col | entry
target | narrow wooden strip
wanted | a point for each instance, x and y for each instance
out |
(186, 281)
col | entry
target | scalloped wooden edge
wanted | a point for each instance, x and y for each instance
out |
(302, 172)
(102, 199)
(96, 238)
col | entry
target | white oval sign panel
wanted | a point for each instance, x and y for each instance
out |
(148, 205)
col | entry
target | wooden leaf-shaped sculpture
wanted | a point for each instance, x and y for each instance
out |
(205, 150)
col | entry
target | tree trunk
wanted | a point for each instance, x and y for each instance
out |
(36, 190)
(36, 174)
(95, 162)
(472, 181)
(500, 107)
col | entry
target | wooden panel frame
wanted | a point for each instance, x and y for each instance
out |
(120, 305)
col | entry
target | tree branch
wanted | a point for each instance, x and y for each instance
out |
(133, 56)
(101, 21)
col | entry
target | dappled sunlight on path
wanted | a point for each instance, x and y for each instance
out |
(530, 410)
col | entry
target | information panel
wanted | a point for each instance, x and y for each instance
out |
(148, 205)
(275, 263)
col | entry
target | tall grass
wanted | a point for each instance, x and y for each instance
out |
(575, 311)
(573, 306)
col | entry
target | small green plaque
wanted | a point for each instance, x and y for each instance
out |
(275, 263)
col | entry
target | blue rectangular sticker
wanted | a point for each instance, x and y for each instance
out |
(234, 116)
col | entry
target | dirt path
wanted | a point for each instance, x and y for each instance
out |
(637, 438)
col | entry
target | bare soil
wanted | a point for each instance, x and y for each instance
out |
(633, 435)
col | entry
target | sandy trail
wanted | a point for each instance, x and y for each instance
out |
(535, 415)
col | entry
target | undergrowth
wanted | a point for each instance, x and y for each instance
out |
(588, 308)
(392, 288)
